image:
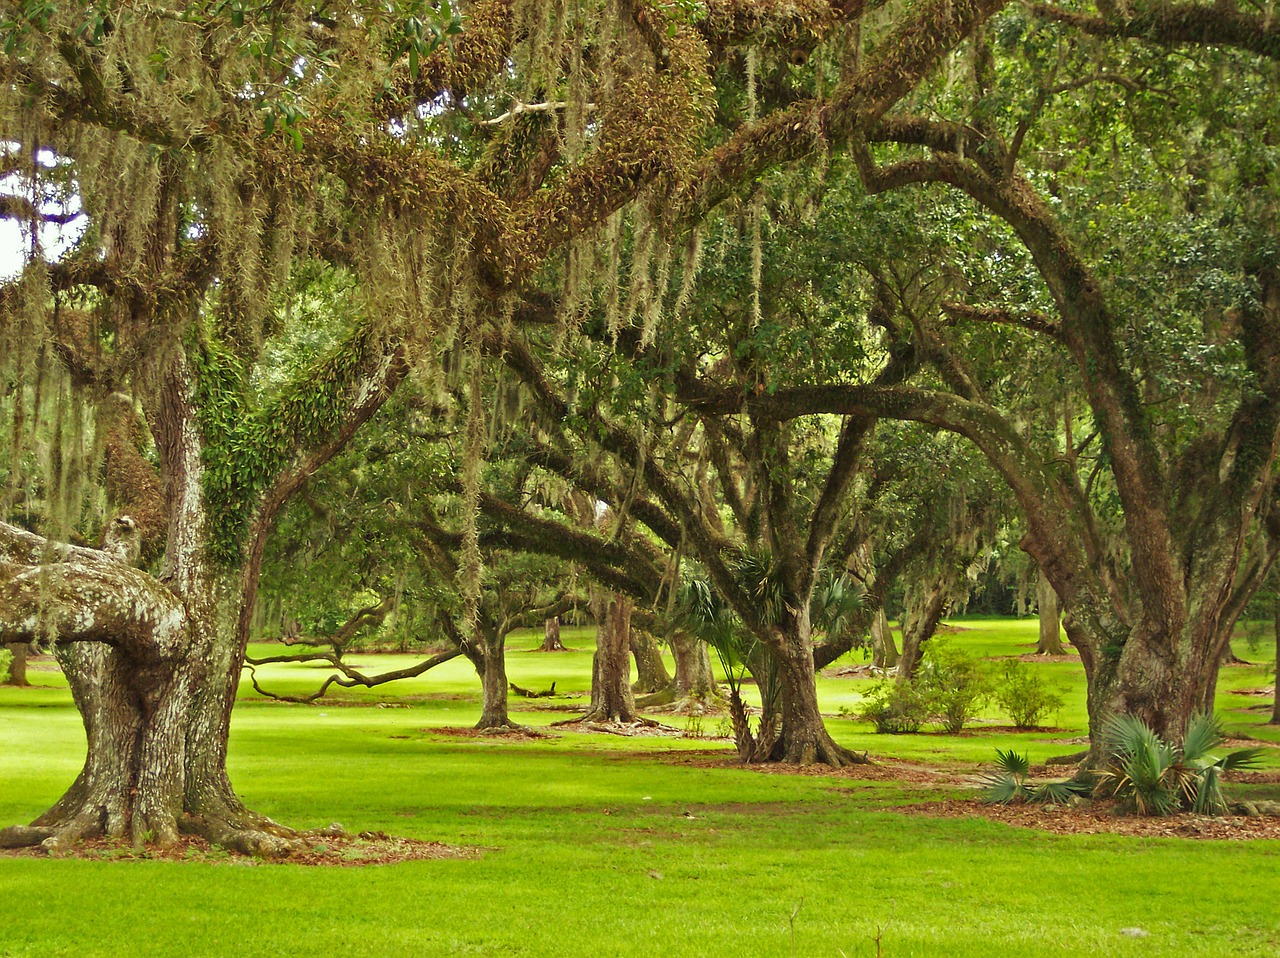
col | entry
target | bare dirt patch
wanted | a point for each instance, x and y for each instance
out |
(1099, 818)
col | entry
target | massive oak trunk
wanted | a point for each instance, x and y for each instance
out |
(154, 662)
(611, 697)
(802, 737)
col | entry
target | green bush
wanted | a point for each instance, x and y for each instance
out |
(895, 709)
(956, 683)
(5, 658)
(1022, 693)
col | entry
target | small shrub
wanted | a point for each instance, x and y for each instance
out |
(956, 683)
(895, 709)
(1007, 783)
(1022, 693)
(693, 727)
(6, 657)
(1156, 778)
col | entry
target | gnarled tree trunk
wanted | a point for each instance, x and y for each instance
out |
(18, 664)
(651, 671)
(803, 738)
(551, 636)
(1275, 688)
(611, 697)
(919, 623)
(884, 653)
(493, 681)
(1050, 641)
(695, 684)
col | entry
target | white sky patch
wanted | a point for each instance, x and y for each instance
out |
(55, 238)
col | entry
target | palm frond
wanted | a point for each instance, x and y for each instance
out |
(1204, 734)
(1002, 788)
(1007, 760)
(1243, 758)
(1059, 793)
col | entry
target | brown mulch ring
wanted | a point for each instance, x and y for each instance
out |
(347, 851)
(1266, 777)
(1037, 657)
(880, 771)
(521, 734)
(1099, 818)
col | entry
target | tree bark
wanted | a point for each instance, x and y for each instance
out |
(611, 697)
(802, 737)
(695, 683)
(919, 623)
(1050, 642)
(651, 671)
(493, 681)
(884, 652)
(1275, 690)
(18, 664)
(551, 636)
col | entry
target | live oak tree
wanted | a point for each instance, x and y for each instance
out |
(217, 148)
(185, 131)
(1133, 191)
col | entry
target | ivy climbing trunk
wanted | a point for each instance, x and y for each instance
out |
(18, 664)
(152, 663)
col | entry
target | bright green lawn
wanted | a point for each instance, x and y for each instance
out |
(589, 850)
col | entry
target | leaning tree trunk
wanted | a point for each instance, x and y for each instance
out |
(884, 653)
(1275, 689)
(919, 623)
(1050, 641)
(551, 636)
(18, 664)
(611, 697)
(651, 671)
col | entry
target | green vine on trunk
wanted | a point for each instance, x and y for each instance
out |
(248, 443)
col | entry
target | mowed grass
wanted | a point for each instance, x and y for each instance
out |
(598, 845)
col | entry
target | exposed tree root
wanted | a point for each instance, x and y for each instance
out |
(274, 841)
(501, 726)
(820, 751)
(685, 705)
